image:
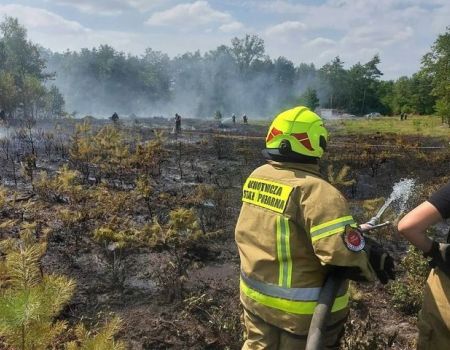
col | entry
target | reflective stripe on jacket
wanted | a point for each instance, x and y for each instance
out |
(289, 229)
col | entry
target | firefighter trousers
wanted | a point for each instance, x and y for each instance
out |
(434, 318)
(262, 335)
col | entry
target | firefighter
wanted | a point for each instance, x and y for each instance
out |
(434, 318)
(293, 229)
(115, 117)
(177, 123)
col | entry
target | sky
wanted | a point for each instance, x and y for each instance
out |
(310, 31)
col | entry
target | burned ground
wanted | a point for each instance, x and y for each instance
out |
(113, 219)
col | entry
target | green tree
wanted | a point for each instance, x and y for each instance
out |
(306, 73)
(54, 103)
(247, 50)
(156, 74)
(33, 96)
(310, 99)
(402, 100)
(333, 76)
(436, 64)
(20, 56)
(362, 87)
(385, 94)
(423, 100)
(22, 75)
(412, 94)
(9, 93)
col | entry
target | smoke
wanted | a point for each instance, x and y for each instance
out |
(102, 81)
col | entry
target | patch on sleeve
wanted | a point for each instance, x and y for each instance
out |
(267, 194)
(353, 239)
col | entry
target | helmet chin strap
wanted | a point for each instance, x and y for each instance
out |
(289, 157)
(286, 154)
(323, 143)
(285, 147)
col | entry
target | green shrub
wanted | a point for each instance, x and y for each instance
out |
(407, 291)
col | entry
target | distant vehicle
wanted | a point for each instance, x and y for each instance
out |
(372, 115)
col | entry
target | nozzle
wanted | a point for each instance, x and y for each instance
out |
(375, 227)
(373, 221)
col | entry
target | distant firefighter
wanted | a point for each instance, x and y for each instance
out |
(245, 119)
(2, 115)
(177, 123)
(115, 117)
(233, 118)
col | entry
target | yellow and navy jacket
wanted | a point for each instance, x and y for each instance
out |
(290, 230)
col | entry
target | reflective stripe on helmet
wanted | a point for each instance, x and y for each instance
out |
(304, 140)
(273, 132)
(269, 296)
(331, 227)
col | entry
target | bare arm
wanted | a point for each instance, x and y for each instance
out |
(414, 224)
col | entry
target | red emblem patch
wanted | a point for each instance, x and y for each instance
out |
(353, 239)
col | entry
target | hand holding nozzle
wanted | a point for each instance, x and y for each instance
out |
(369, 226)
(379, 258)
(373, 221)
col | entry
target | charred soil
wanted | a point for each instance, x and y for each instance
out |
(117, 226)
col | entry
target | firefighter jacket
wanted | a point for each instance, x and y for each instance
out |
(289, 231)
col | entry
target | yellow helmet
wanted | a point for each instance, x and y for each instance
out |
(297, 130)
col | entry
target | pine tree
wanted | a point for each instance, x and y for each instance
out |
(29, 300)
(62, 188)
(102, 340)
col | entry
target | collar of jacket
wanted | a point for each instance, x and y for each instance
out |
(310, 168)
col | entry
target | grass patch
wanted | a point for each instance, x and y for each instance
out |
(414, 125)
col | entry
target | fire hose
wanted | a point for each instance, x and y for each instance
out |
(318, 326)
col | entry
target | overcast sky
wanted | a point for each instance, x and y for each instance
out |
(401, 31)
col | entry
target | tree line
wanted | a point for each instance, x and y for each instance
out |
(24, 88)
(232, 79)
